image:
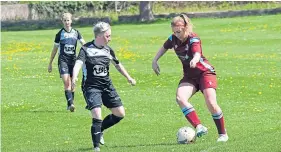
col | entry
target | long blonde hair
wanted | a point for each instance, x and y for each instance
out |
(184, 19)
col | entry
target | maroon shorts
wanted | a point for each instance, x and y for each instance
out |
(205, 80)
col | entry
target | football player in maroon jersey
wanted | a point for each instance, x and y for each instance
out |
(198, 74)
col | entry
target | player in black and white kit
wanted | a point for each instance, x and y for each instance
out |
(66, 40)
(97, 87)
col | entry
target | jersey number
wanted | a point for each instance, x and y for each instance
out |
(100, 70)
(69, 49)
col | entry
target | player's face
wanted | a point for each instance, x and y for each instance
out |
(67, 22)
(179, 30)
(107, 36)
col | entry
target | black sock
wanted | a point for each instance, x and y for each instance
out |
(72, 96)
(68, 96)
(96, 131)
(109, 121)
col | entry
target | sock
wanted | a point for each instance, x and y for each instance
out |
(109, 121)
(68, 96)
(72, 96)
(96, 131)
(219, 121)
(191, 116)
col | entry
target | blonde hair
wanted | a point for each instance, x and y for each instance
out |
(65, 15)
(100, 28)
(184, 19)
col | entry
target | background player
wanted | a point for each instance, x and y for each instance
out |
(66, 40)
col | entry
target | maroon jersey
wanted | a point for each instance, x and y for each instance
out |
(185, 51)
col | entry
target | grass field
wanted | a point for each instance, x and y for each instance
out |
(246, 53)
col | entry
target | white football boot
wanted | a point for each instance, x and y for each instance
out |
(222, 138)
(97, 149)
(201, 130)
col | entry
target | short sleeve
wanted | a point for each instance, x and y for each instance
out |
(57, 38)
(82, 54)
(195, 44)
(169, 43)
(79, 35)
(114, 58)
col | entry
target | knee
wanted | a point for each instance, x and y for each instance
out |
(67, 85)
(119, 111)
(180, 100)
(121, 114)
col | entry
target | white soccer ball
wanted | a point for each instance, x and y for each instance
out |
(186, 135)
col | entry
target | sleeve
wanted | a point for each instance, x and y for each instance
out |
(82, 55)
(57, 38)
(114, 58)
(79, 35)
(195, 44)
(169, 43)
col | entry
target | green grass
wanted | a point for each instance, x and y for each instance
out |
(245, 52)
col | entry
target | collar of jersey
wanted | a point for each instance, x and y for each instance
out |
(66, 30)
(93, 42)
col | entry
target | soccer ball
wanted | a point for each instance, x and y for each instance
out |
(186, 135)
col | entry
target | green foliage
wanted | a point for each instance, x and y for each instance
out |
(55, 9)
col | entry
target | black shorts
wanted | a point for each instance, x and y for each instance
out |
(107, 96)
(65, 68)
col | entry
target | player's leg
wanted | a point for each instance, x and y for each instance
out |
(118, 113)
(208, 86)
(94, 103)
(70, 67)
(65, 76)
(184, 93)
(113, 102)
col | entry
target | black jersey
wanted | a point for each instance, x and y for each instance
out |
(67, 42)
(96, 65)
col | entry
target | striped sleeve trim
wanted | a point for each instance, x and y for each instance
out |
(194, 39)
(171, 37)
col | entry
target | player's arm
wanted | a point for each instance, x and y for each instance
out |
(82, 41)
(75, 72)
(121, 69)
(159, 54)
(196, 50)
(167, 45)
(78, 65)
(80, 38)
(53, 54)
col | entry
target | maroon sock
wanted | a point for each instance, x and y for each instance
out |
(191, 116)
(219, 121)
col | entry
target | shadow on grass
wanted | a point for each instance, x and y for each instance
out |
(47, 111)
(132, 146)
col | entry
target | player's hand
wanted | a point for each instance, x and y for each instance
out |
(73, 84)
(132, 81)
(50, 68)
(193, 63)
(156, 67)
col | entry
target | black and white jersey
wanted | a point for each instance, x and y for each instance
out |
(96, 61)
(67, 42)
